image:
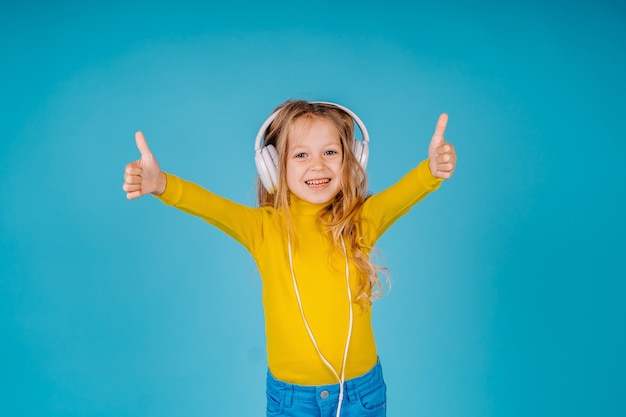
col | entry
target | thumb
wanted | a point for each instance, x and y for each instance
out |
(142, 145)
(440, 129)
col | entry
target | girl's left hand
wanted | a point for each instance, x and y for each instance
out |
(441, 153)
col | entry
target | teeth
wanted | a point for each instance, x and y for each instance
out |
(318, 182)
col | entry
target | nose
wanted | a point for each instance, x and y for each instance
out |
(317, 162)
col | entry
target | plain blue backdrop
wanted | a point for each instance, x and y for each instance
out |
(509, 294)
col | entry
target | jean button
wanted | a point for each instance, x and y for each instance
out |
(324, 394)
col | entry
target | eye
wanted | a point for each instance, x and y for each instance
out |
(331, 152)
(300, 155)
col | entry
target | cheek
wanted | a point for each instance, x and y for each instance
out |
(291, 174)
(339, 175)
(339, 168)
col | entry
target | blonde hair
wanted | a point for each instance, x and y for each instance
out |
(341, 218)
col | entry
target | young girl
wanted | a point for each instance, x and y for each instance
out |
(311, 237)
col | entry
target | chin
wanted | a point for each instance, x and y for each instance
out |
(316, 198)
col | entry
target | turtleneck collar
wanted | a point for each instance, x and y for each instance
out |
(301, 207)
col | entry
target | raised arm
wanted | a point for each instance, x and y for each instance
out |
(144, 176)
(381, 210)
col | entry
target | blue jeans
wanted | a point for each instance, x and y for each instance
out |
(364, 396)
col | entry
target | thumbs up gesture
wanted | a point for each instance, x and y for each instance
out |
(143, 176)
(441, 153)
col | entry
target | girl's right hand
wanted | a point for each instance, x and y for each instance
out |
(143, 176)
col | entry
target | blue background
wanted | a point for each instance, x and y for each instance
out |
(509, 289)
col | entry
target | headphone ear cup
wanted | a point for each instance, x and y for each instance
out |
(361, 152)
(271, 157)
(266, 160)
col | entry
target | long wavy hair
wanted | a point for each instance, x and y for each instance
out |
(341, 218)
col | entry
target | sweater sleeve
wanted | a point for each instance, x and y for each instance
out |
(241, 222)
(381, 210)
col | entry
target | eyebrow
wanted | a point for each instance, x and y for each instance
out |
(325, 145)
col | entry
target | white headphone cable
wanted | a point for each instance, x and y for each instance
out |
(308, 328)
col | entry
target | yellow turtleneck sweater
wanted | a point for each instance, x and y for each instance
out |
(319, 270)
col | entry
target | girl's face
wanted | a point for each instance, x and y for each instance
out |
(314, 161)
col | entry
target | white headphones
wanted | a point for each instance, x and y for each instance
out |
(266, 157)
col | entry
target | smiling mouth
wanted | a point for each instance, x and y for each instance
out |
(319, 182)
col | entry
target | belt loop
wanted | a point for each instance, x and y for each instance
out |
(289, 396)
(350, 392)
